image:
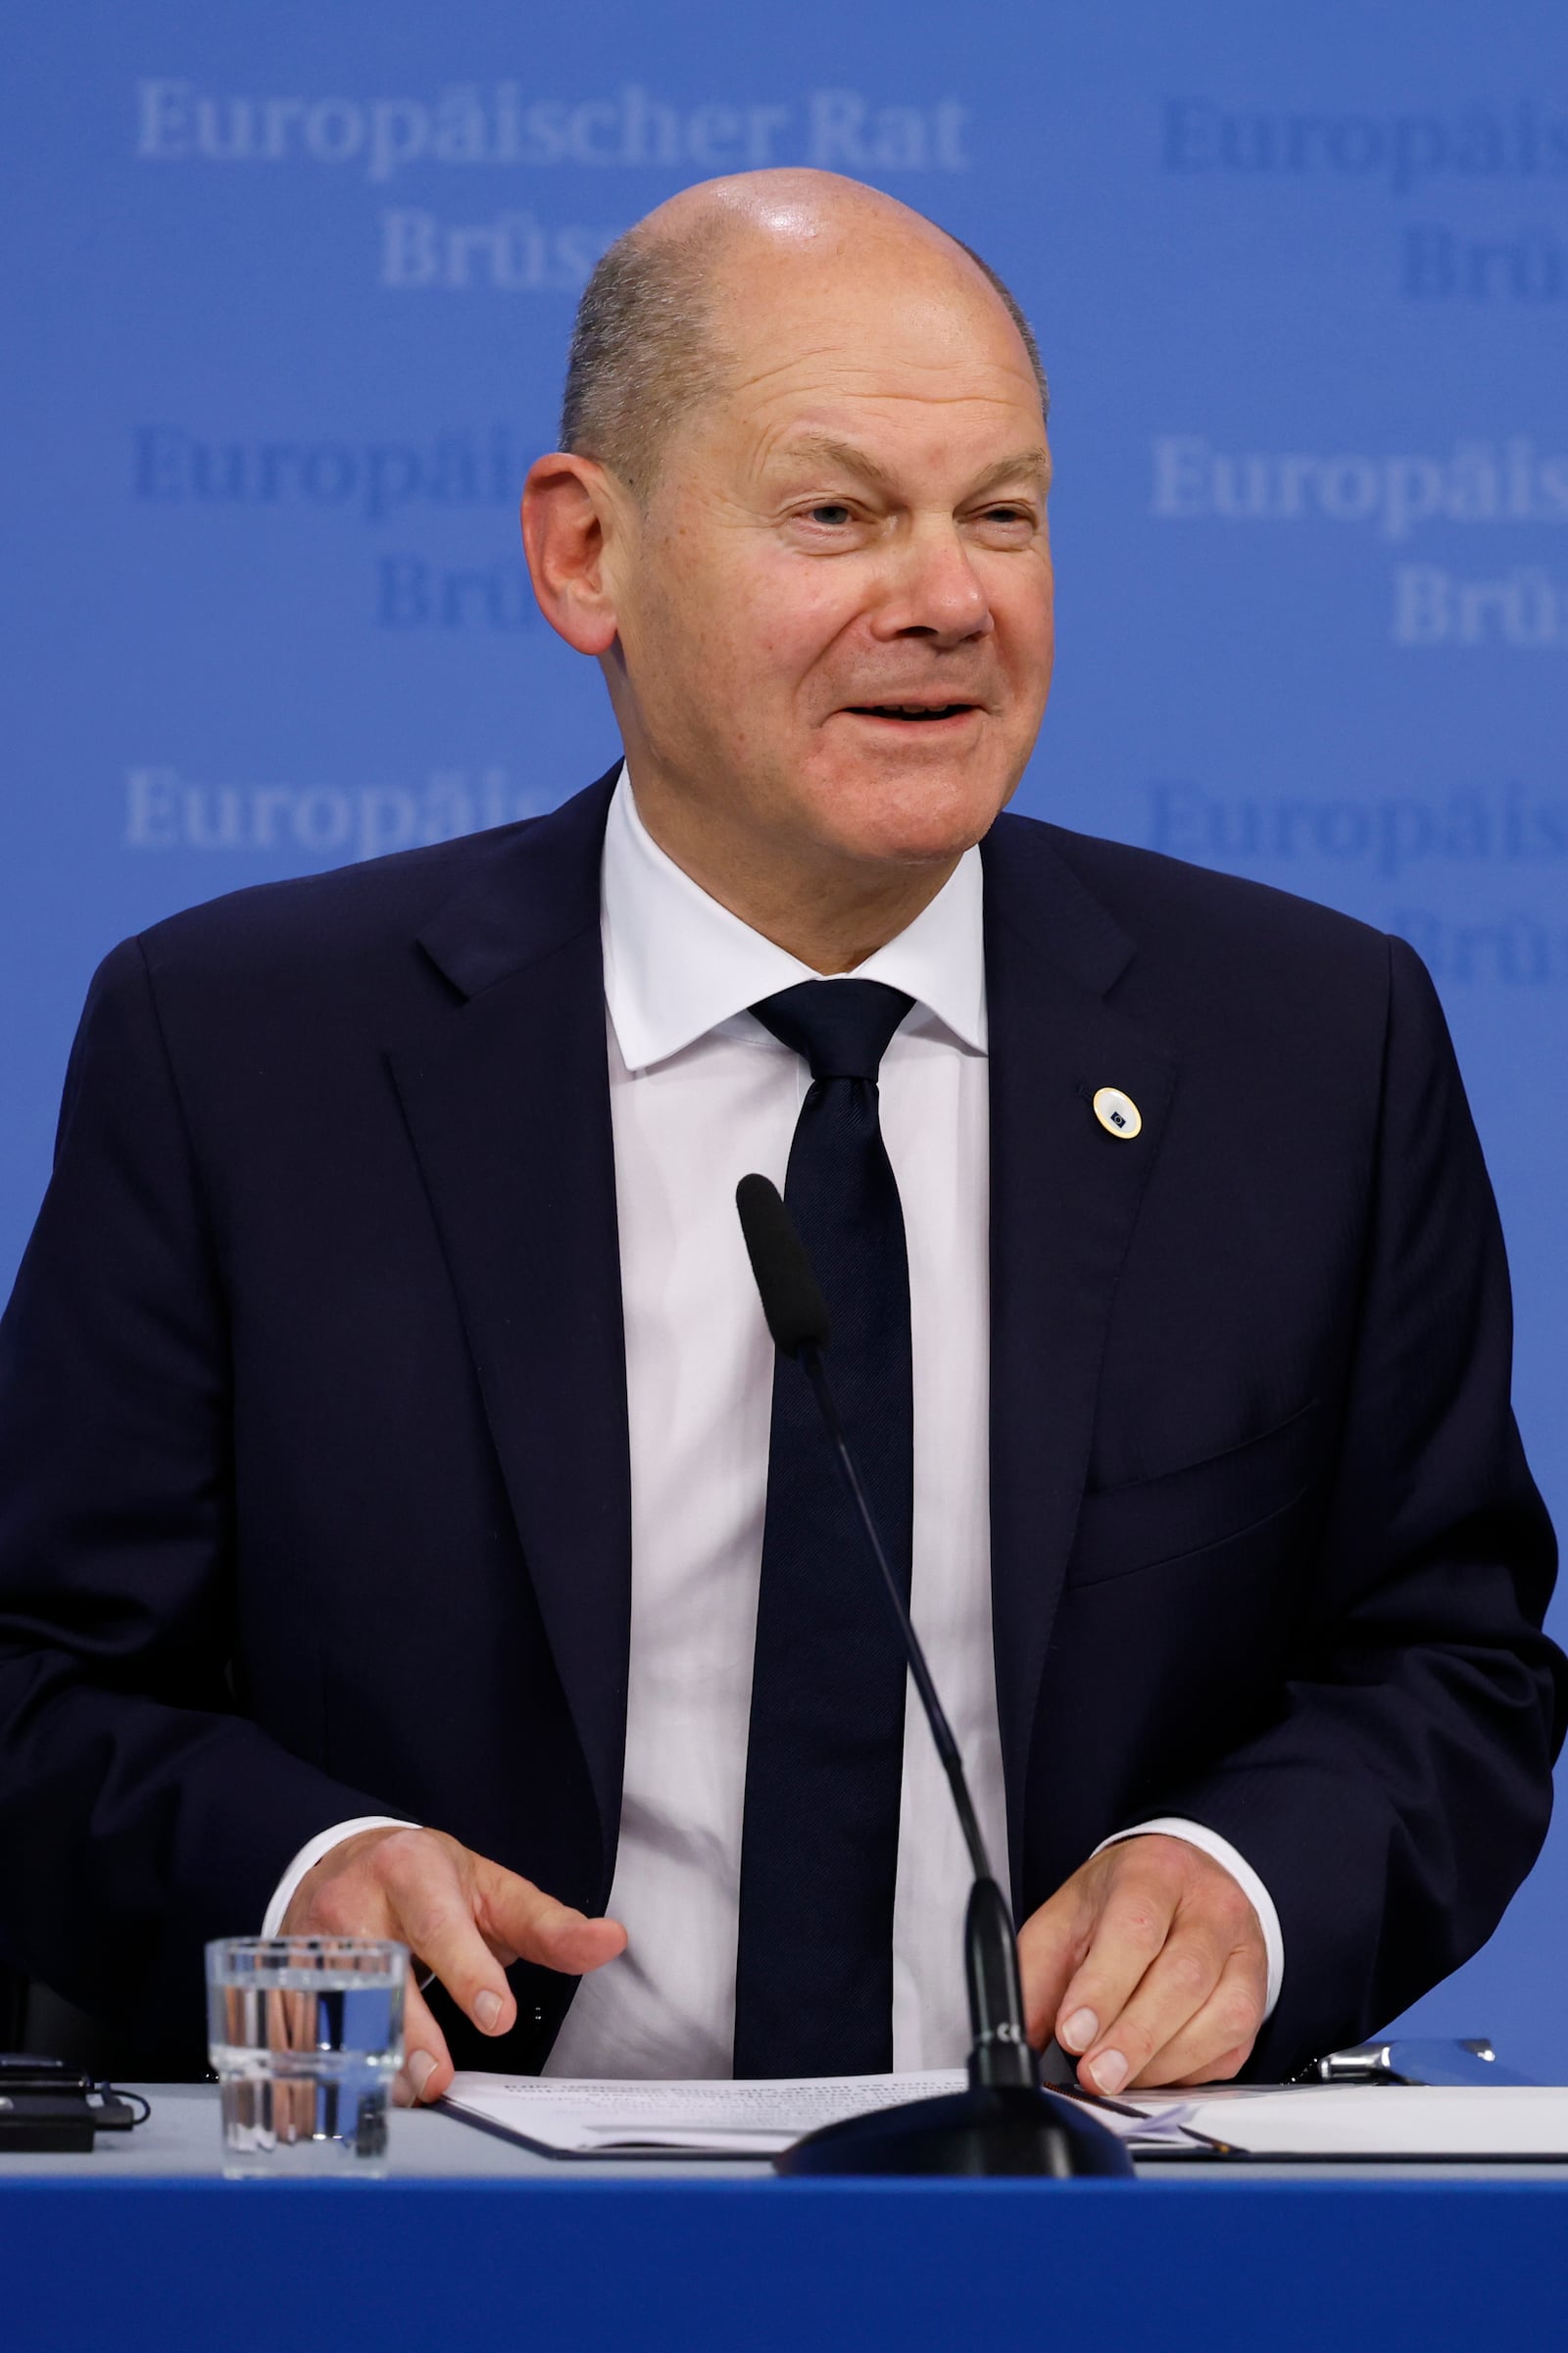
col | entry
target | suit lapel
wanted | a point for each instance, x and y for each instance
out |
(508, 1104)
(1064, 1201)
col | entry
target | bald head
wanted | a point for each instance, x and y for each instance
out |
(655, 333)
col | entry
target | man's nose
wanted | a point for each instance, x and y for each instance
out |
(934, 591)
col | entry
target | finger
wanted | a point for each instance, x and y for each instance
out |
(1052, 1944)
(433, 1913)
(427, 2067)
(1217, 2038)
(521, 1922)
(1227, 2064)
(1171, 1991)
(1138, 1907)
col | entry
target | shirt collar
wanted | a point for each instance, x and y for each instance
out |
(677, 964)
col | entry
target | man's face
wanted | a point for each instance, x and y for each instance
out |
(834, 617)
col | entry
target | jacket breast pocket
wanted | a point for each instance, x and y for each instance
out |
(1154, 1522)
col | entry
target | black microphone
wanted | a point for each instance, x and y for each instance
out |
(1004, 2123)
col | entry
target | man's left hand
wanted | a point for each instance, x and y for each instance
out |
(1149, 1966)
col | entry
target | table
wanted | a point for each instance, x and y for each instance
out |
(472, 2241)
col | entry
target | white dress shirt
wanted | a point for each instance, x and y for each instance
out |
(700, 1095)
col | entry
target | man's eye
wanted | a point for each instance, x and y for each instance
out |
(832, 514)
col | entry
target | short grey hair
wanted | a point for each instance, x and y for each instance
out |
(647, 347)
(1014, 310)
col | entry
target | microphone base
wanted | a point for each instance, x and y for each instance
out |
(994, 2129)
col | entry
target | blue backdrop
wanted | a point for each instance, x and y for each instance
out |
(291, 296)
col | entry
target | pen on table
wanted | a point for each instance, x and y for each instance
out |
(1102, 2099)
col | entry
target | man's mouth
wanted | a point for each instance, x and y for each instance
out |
(916, 713)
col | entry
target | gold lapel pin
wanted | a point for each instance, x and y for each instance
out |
(1117, 1113)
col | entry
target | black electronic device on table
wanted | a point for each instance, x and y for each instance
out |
(49, 2108)
(1004, 2123)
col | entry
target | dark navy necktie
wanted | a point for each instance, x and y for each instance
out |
(813, 1987)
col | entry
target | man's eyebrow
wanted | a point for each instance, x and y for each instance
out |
(1033, 463)
(824, 450)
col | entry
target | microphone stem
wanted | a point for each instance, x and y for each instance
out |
(1001, 2054)
(936, 1715)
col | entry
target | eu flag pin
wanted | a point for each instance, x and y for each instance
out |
(1117, 1113)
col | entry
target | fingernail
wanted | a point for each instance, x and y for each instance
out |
(1080, 2030)
(1109, 2072)
(421, 2066)
(487, 2009)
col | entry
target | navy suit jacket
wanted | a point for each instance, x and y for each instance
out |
(313, 1488)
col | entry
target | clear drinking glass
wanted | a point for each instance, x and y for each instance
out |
(306, 2034)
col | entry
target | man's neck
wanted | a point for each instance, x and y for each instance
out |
(828, 913)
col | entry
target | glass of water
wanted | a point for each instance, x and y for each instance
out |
(306, 2034)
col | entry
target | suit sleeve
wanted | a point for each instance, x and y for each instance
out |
(1401, 1787)
(140, 1812)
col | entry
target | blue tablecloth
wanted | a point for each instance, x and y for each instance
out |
(749, 2267)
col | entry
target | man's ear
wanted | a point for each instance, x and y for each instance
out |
(574, 514)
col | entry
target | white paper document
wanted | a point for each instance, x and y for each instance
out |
(588, 2117)
(1386, 2120)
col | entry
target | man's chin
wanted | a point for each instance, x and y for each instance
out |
(918, 823)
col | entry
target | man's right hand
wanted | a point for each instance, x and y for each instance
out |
(461, 1916)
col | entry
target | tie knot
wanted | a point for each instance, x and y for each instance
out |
(842, 1027)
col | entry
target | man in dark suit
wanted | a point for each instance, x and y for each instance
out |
(401, 1529)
